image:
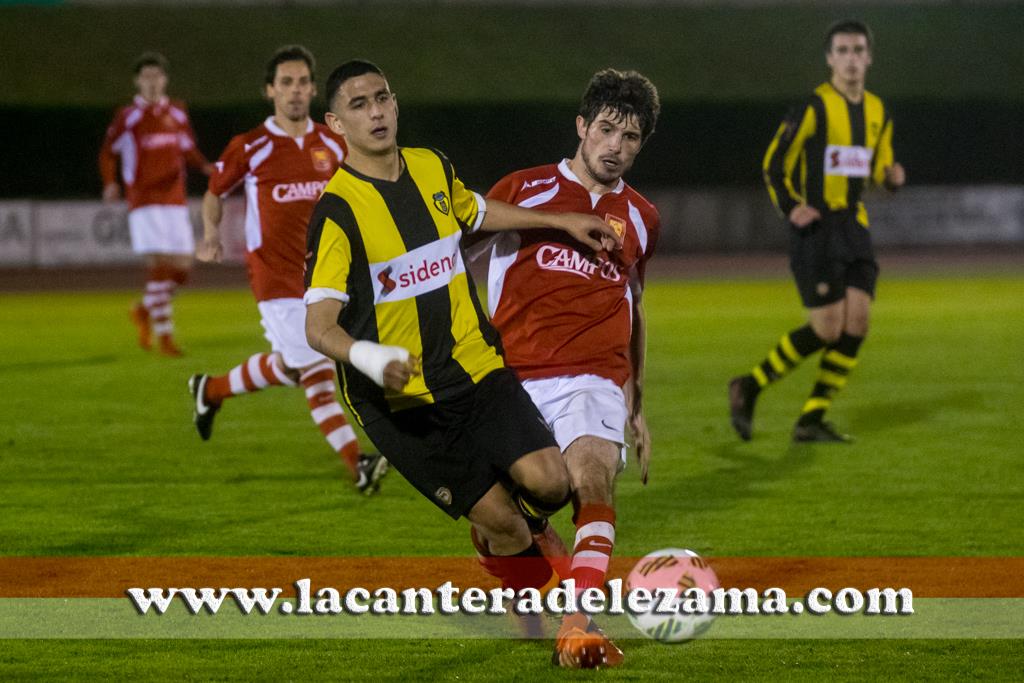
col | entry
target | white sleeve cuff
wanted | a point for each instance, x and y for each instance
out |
(315, 294)
(481, 209)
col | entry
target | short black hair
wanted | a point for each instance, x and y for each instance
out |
(848, 26)
(289, 53)
(150, 59)
(625, 93)
(350, 69)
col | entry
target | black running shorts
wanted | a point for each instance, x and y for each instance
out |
(455, 450)
(830, 255)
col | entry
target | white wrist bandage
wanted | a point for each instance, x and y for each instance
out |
(371, 358)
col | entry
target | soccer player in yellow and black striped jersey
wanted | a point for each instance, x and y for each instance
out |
(389, 297)
(816, 169)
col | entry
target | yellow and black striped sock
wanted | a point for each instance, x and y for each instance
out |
(787, 354)
(837, 362)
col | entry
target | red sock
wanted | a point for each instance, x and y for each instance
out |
(328, 414)
(526, 569)
(258, 372)
(595, 538)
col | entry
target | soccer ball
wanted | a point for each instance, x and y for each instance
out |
(679, 569)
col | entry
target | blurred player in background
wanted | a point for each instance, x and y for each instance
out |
(154, 141)
(816, 168)
(284, 163)
(572, 321)
(390, 298)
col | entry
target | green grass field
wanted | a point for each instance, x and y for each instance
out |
(98, 457)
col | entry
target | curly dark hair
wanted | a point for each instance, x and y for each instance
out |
(626, 93)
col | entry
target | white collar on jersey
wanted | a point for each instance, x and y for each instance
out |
(278, 130)
(563, 168)
(141, 102)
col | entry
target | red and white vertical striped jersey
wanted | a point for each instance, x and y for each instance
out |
(283, 178)
(154, 141)
(560, 309)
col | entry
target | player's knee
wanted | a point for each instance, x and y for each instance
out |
(857, 325)
(828, 330)
(544, 475)
(593, 483)
(593, 464)
(292, 373)
(553, 492)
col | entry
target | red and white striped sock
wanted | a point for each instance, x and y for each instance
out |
(595, 539)
(327, 413)
(157, 301)
(259, 372)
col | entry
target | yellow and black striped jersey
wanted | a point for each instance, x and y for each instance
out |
(823, 153)
(390, 252)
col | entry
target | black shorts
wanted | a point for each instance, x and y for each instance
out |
(830, 255)
(455, 450)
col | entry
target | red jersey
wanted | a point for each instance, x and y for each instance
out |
(558, 311)
(154, 141)
(284, 177)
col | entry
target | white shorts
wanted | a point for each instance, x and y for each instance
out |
(284, 326)
(581, 405)
(161, 229)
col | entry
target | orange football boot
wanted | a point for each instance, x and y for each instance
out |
(582, 645)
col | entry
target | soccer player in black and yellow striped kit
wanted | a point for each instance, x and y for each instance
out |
(816, 169)
(390, 299)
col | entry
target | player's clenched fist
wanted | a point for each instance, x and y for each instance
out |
(895, 176)
(803, 215)
(388, 366)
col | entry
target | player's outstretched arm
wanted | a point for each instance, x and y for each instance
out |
(210, 249)
(388, 366)
(585, 228)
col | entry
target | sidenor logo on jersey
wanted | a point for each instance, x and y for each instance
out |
(568, 260)
(851, 161)
(387, 285)
(422, 270)
(298, 192)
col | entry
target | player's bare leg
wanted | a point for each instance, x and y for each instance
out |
(827, 321)
(593, 464)
(506, 550)
(858, 312)
(503, 540)
(533, 473)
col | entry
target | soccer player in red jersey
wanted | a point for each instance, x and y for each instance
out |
(572, 322)
(153, 140)
(284, 165)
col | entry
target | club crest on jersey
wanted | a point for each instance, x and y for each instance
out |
(321, 159)
(618, 224)
(441, 202)
(444, 495)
